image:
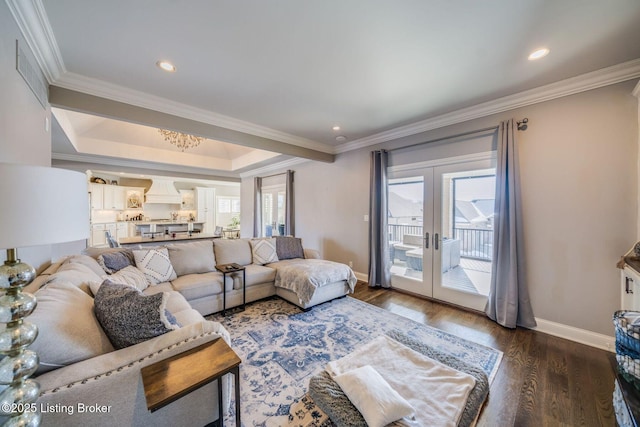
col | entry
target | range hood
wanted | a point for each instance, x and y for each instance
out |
(163, 191)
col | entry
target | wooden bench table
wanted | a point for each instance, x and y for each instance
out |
(170, 379)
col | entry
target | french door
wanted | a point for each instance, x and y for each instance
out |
(441, 229)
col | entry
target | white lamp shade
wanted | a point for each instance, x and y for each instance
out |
(42, 205)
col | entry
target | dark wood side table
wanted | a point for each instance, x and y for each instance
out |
(231, 269)
(170, 379)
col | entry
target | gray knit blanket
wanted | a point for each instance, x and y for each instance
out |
(330, 398)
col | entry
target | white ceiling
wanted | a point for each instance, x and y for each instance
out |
(292, 69)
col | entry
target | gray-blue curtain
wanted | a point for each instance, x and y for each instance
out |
(508, 303)
(379, 262)
(257, 207)
(289, 219)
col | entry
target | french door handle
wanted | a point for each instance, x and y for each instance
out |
(426, 240)
(435, 241)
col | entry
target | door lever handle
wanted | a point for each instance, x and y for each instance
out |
(426, 240)
(435, 241)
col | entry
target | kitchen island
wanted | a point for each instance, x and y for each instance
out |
(164, 238)
(144, 227)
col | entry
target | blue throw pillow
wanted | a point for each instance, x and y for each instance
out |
(112, 262)
(129, 317)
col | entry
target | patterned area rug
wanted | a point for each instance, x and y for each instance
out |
(282, 347)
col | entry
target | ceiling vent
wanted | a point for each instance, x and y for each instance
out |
(163, 191)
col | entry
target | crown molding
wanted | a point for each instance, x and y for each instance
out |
(274, 167)
(139, 164)
(31, 18)
(593, 80)
(118, 93)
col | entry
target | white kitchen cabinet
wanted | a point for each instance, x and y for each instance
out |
(122, 230)
(630, 281)
(97, 235)
(113, 197)
(206, 213)
(97, 192)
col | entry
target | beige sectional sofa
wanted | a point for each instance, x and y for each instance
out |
(86, 381)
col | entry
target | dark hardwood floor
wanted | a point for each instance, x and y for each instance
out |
(542, 380)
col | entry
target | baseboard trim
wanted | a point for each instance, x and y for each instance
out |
(593, 339)
(361, 276)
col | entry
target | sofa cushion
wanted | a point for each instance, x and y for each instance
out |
(155, 264)
(232, 250)
(112, 262)
(289, 247)
(188, 317)
(85, 260)
(129, 317)
(130, 276)
(65, 338)
(79, 275)
(263, 251)
(192, 257)
(193, 286)
(256, 274)
(175, 302)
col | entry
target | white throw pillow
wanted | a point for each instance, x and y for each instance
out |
(378, 403)
(130, 276)
(263, 251)
(155, 264)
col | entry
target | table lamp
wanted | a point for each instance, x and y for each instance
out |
(40, 206)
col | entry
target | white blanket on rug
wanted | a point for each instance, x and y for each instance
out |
(437, 392)
(304, 276)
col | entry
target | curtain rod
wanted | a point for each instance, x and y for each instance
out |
(521, 125)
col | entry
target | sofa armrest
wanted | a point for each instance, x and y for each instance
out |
(113, 382)
(311, 254)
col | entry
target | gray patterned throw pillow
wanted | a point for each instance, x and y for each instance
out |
(129, 317)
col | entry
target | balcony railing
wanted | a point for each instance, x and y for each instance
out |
(396, 231)
(474, 243)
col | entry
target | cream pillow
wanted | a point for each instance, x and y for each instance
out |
(68, 330)
(192, 257)
(263, 251)
(130, 276)
(378, 403)
(155, 264)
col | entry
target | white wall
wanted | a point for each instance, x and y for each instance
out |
(579, 179)
(23, 138)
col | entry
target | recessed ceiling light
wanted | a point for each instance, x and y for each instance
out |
(341, 138)
(336, 128)
(166, 65)
(538, 53)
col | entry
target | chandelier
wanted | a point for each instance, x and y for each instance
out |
(180, 140)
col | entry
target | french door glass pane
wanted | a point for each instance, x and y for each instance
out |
(405, 219)
(467, 230)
